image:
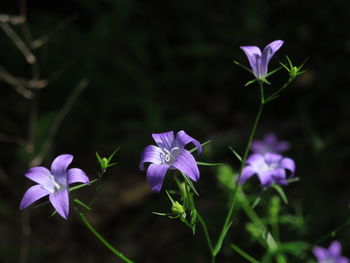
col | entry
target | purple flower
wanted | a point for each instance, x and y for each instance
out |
(259, 61)
(170, 154)
(269, 167)
(269, 144)
(330, 255)
(54, 183)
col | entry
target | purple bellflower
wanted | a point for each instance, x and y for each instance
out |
(270, 168)
(269, 144)
(330, 255)
(54, 183)
(170, 154)
(259, 60)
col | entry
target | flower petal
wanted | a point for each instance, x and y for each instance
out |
(155, 175)
(268, 53)
(335, 248)
(270, 138)
(182, 138)
(151, 154)
(255, 159)
(40, 175)
(60, 164)
(265, 178)
(33, 194)
(271, 49)
(60, 202)
(279, 176)
(76, 175)
(258, 147)
(164, 140)
(272, 158)
(282, 146)
(288, 163)
(253, 54)
(186, 163)
(343, 260)
(320, 253)
(247, 172)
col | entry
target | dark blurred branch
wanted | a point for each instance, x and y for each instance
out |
(11, 139)
(13, 20)
(22, 47)
(58, 121)
(39, 42)
(14, 82)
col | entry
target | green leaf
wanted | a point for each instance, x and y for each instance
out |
(209, 164)
(242, 66)
(82, 185)
(99, 159)
(171, 199)
(203, 144)
(235, 153)
(295, 247)
(280, 191)
(270, 241)
(221, 239)
(82, 204)
(113, 153)
(189, 183)
(256, 202)
(250, 82)
(244, 254)
(160, 214)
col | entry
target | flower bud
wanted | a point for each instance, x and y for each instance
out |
(178, 209)
(294, 71)
(104, 163)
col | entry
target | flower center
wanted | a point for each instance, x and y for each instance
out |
(169, 157)
(53, 186)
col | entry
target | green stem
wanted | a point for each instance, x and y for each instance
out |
(228, 219)
(104, 241)
(262, 96)
(200, 219)
(277, 92)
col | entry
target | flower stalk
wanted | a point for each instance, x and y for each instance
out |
(87, 224)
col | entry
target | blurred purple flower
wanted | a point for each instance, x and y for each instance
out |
(269, 144)
(170, 154)
(330, 255)
(270, 168)
(54, 183)
(259, 61)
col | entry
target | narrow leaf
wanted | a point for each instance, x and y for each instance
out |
(112, 155)
(209, 164)
(236, 154)
(190, 184)
(244, 254)
(82, 204)
(280, 191)
(221, 239)
(203, 144)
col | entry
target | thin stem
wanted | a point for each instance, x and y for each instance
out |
(200, 219)
(277, 92)
(234, 195)
(104, 241)
(244, 254)
(262, 96)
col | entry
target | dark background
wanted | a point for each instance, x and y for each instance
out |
(158, 66)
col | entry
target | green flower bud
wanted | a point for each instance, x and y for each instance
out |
(178, 209)
(104, 163)
(294, 71)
